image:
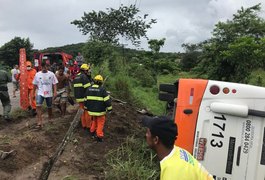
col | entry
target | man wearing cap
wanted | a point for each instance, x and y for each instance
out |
(175, 162)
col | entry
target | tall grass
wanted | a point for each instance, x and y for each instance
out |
(148, 98)
(133, 160)
(257, 78)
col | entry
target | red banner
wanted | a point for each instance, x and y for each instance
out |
(24, 100)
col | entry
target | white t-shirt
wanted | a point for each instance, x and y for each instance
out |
(14, 72)
(45, 81)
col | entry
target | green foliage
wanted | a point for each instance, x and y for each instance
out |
(236, 48)
(257, 78)
(165, 66)
(142, 74)
(133, 160)
(120, 87)
(9, 52)
(5, 67)
(242, 57)
(155, 44)
(190, 57)
(19, 113)
(147, 98)
(96, 52)
(111, 25)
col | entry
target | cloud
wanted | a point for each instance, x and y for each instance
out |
(47, 23)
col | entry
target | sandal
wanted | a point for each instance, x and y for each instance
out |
(38, 127)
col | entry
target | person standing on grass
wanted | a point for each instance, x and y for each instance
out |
(175, 162)
(15, 77)
(31, 72)
(4, 96)
(63, 87)
(45, 82)
(97, 103)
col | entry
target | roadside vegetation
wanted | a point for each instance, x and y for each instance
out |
(233, 53)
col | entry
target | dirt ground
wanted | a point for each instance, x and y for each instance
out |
(83, 157)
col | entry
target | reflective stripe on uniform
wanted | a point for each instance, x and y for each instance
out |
(96, 98)
(109, 108)
(78, 85)
(80, 100)
(106, 98)
(96, 113)
(87, 85)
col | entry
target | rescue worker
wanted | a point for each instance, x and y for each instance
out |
(175, 162)
(81, 82)
(97, 103)
(4, 96)
(31, 72)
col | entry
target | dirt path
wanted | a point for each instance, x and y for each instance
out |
(83, 157)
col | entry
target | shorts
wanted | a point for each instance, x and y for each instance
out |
(15, 85)
(62, 98)
(40, 99)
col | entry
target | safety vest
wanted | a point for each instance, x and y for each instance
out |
(81, 83)
(180, 164)
(97, 101)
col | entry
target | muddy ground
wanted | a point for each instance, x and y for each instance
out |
(83, 157)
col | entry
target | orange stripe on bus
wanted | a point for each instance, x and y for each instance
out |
(190, 93)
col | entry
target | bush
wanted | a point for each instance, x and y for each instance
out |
(132, 160)
(143, 75)
(120, 86)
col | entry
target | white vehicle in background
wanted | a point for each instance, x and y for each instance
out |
(222, 124)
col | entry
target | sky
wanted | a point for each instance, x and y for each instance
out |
(47, 23)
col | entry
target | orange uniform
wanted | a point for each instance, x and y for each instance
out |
(30, 76)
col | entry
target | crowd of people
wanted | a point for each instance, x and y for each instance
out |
(52, 84)
(89, 93)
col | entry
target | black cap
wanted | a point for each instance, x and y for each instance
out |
(163, 127)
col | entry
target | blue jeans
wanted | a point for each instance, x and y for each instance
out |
(40, 99)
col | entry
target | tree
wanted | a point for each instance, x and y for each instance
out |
(97, 52)
(155, 44)
(235, 48)
(190, 57)
(9, 52)
(115, 23)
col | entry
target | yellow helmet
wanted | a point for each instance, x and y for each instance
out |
(84, 67)
(98, 78)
